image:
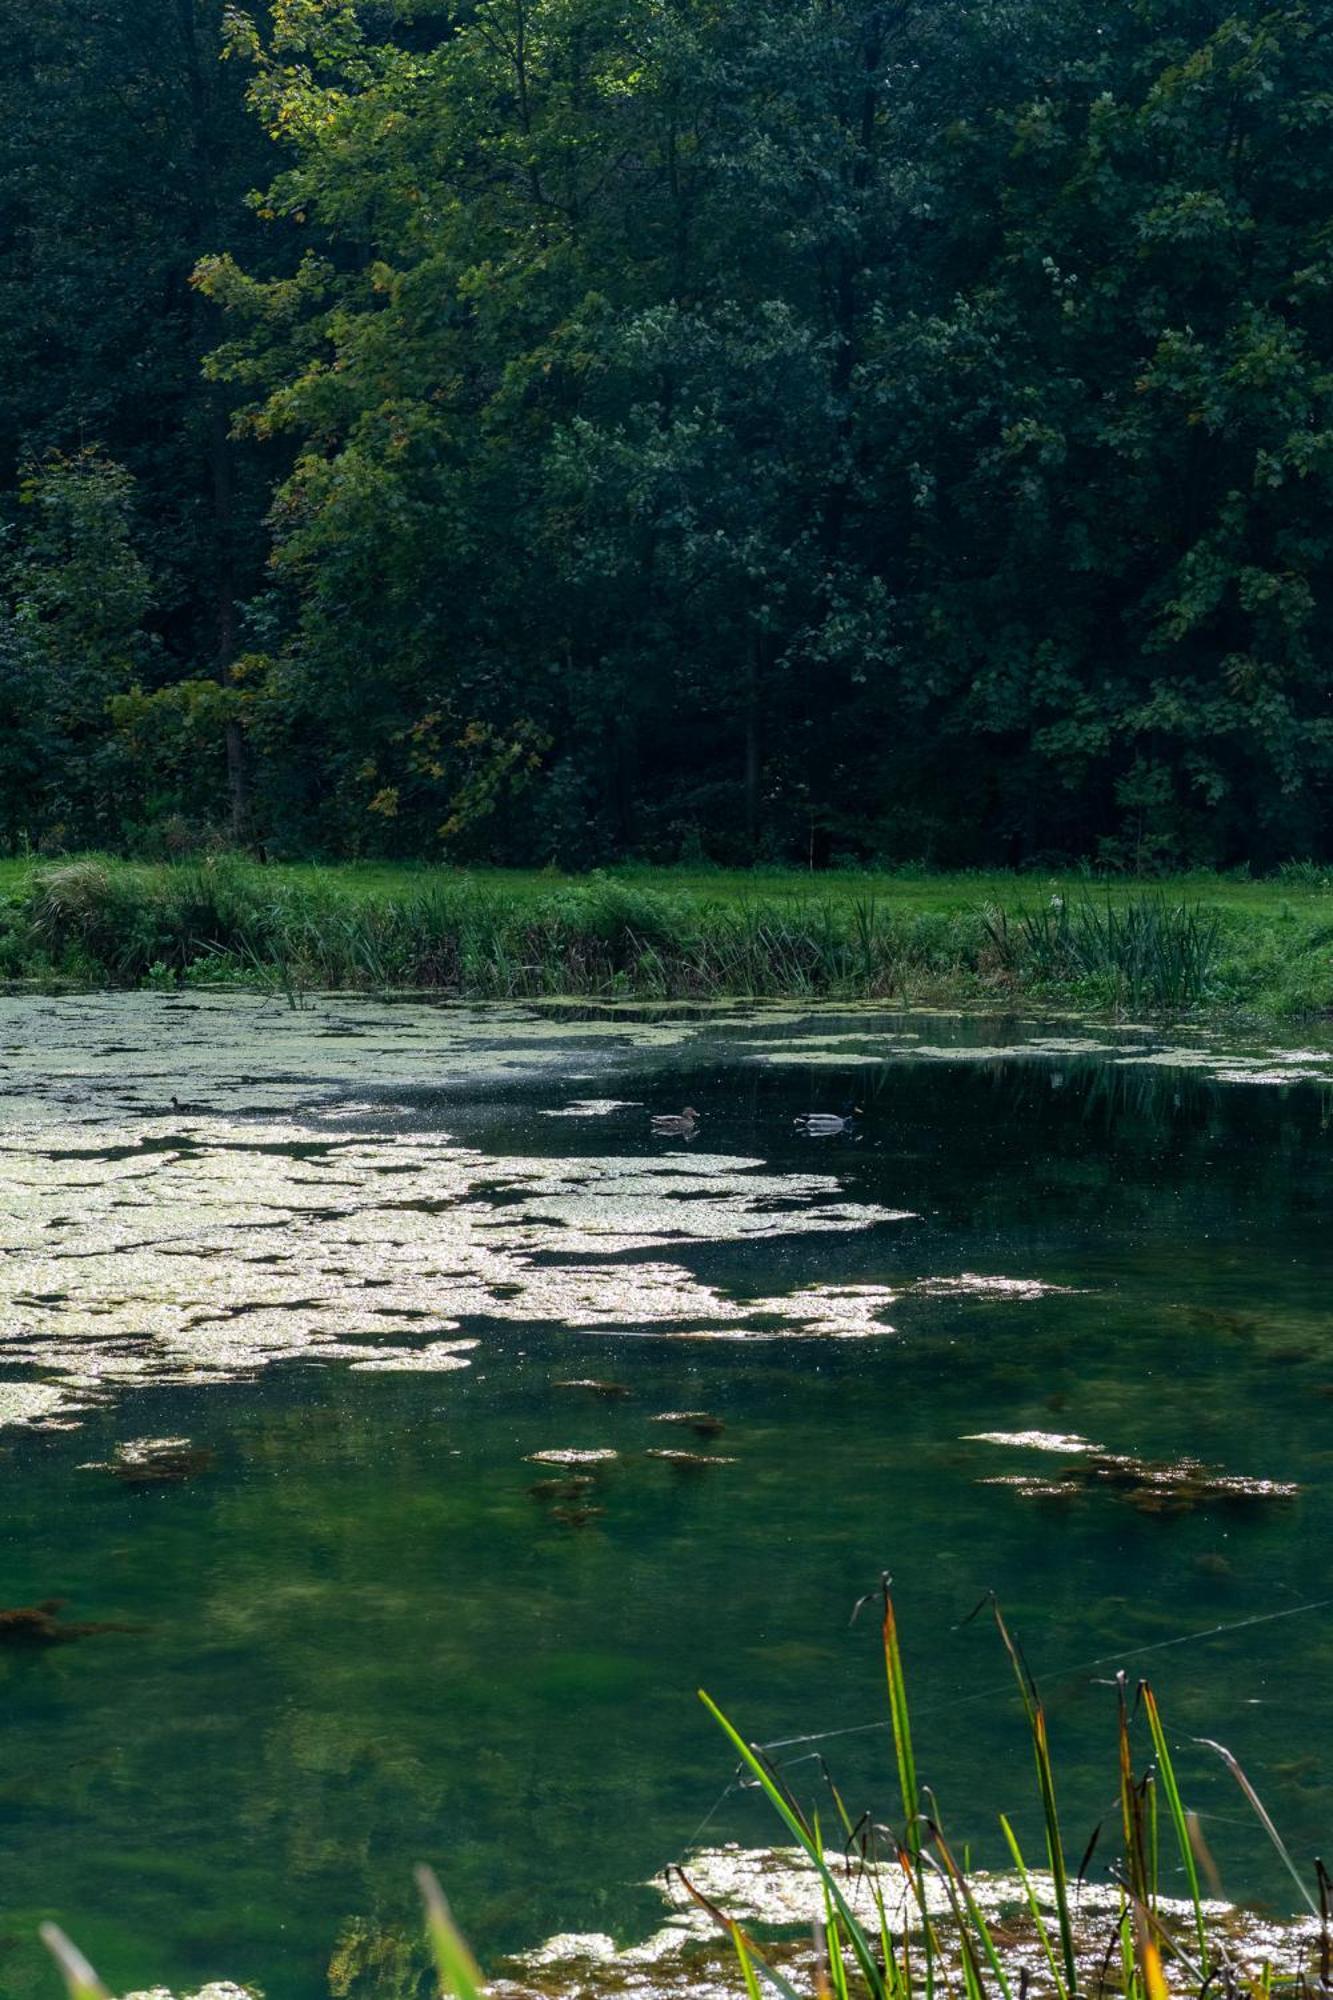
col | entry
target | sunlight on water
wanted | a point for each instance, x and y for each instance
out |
(397, 1432)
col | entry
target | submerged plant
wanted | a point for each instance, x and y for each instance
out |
(24, 1626)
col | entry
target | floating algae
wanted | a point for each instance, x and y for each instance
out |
(971, 1285)
(1151, 1486)
(778, 1893)
(169, 1461)
(39, 1625)
(252, 1223)
(196, 1190)
(595, 1455)
(436, 1358)
(1060, 1441)
(594, 1107)
(215, 1989)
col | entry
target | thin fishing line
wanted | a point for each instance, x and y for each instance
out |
(985, 1694)
(720, 1800)
(1059, 1673)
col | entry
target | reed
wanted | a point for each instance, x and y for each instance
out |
(1145, 952)
(1152, 1947)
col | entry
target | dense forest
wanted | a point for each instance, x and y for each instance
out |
(554, 430)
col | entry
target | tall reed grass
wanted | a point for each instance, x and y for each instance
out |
(1145, 952)
(227, 921)
(1151, 1947)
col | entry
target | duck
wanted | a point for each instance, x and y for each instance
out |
(676, 1124)
(826, 1124)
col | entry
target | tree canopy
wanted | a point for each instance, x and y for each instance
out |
(563, 429)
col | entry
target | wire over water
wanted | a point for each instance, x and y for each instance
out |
(1059, 1673)
(1002, 1687)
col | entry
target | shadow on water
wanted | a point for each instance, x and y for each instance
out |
(363, 1626)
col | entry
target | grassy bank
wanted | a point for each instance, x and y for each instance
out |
(1191, 943)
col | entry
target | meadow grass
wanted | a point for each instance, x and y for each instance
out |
(1188, 943)
(1305, 886)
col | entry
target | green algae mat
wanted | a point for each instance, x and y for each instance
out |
(396, 1429)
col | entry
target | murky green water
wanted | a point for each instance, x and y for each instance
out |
(351, 1253)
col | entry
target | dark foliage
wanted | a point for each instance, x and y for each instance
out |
(674, 428)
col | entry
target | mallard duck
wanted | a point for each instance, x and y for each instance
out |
(676, 1124)
(826, 1124)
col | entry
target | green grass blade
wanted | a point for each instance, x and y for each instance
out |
(837, 1971)
(1036, 1717)
(746, 1964)
(1054, 1845)
(828, 1951)
(81, 1982)
(961, 1894)
(1179, 1819)
(796, 1826)
(902, 1731)
(1034, 1908)
(454, 1963)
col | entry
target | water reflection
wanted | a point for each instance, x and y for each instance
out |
(358, 1278)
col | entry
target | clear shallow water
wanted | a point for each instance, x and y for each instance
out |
(363, 1641)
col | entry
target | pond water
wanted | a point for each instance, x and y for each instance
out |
(357, 1254)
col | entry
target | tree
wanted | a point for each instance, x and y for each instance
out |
(75, 596)
(1124, 420)
(125, 153)
(784, 428)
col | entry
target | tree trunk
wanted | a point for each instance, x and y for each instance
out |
(238, 784)
(217, 442)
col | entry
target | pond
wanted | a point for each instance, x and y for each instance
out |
(366, 1265)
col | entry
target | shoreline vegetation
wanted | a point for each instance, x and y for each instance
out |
(899, 1912)
(1197, 944)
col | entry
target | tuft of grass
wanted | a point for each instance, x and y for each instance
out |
(1147, 1934)
(1143, 953)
